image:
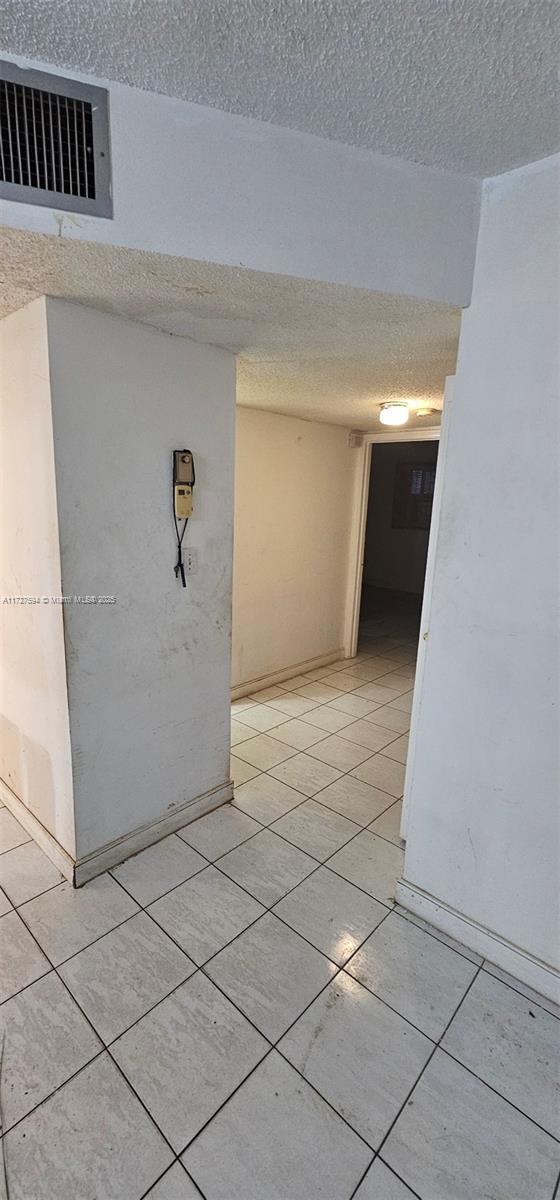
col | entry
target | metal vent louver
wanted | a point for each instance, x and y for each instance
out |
(54, 142)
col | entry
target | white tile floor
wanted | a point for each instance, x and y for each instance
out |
(241, 1012)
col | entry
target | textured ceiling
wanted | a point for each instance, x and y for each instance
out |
(319, 351)
(471, 85)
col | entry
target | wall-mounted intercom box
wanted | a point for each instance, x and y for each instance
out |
(183, 482)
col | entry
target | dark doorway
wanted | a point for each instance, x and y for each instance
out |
(401, 491)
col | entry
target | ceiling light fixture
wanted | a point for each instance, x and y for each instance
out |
(395, 413)
(425, 412)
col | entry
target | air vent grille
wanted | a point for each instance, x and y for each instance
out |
(54, 141)
(46, 141)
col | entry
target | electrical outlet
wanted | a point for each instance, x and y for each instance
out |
(190, 559)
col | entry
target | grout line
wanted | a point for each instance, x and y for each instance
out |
(93, 942)
(386, 1004)
(362, 1176)
(285, 837)
(30, 898)
(315, 1089)
(339, 966)
(106, 1045)
(416, 1195)
(490, 1087)
(313, 796)
(272, 1045)
(176, 1161)
(104, 1050)
(140, 908)
(360, 745)
(426, 1064)
(199, 870)
(270, 909)
(232, 1093)
(3, 1166)
(202, 965)
(338, 970)
(98, 1054)
(530, 999)
(274, 1048)
(405, 917)
(392, 800)
(319, 862)
(298, 1017)
(327, 704)
(9, 849)
(341, 775)
(270, 828)
(228, 998)
(325, 862)
(202, 970)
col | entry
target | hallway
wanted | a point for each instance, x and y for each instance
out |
(278, 379)
(242, 1007)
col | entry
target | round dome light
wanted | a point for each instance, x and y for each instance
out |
(394, 414)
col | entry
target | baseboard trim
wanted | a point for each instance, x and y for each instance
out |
(147, 835)
(45, 840)
(80, 870)
(537, 974)
(300, 668)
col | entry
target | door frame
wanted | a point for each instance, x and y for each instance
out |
(358, 534)
(426, 605)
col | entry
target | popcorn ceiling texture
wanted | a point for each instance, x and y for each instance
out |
(469, 85)
(318, 351)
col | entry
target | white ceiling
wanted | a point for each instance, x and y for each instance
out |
(317, 351)
(471, 85)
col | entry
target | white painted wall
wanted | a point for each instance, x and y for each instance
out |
(148, 677)
(483, 835)
(203, 184)
(34, 732)
(294, 484)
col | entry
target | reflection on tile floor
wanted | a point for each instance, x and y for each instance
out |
(242, 1013)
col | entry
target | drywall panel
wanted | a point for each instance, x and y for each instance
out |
(34, 732)
(148, 675)
(483, 835)
(294, 485)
